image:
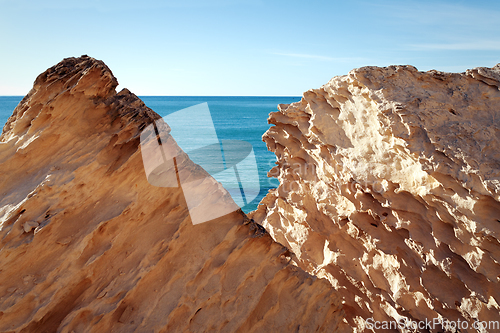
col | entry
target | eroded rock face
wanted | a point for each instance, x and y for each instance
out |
(88, 245)
(389, 188)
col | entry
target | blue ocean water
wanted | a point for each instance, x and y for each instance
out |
(7, 105)
(235, 118)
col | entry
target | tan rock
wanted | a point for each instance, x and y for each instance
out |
(29, 225)
(113, 253)
(390, 189)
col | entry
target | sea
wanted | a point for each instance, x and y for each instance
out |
(235, 118)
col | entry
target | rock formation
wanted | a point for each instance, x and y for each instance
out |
(88, 245)
(390, 189)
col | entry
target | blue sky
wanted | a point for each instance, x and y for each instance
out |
(242, 48)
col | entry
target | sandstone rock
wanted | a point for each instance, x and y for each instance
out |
(390, 189)
(29, 225)
(111, 253)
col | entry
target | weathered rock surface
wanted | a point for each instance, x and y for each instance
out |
(390, 189)
(88, 245)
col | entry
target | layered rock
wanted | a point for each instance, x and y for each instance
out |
(88, 245)
(390, 189)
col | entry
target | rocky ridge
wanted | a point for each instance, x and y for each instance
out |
(390, 189)
(88, 245)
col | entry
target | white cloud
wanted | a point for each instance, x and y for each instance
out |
(438, 13)
(319, 57)
(468, 46)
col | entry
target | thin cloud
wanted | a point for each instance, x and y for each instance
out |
(318, 57)
(471, 46)
(438, 13)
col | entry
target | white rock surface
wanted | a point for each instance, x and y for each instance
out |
(390, 189)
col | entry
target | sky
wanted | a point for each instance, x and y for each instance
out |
(242, 48)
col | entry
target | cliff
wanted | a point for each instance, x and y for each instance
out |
(390, 189)
(88, 245)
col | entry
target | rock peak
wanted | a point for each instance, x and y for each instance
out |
(87, 244)
(61, 91)
(84, 74)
